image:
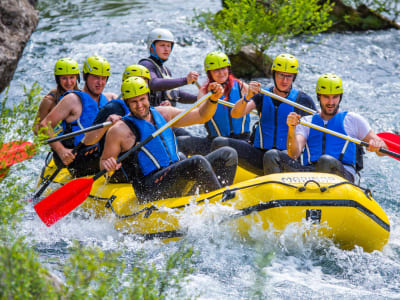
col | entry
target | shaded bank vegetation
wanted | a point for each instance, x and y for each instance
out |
(246, 29)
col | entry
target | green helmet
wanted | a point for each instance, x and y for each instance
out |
(285, 63)
(136, 70)
(329, 84)
(66, 66)
(96, 65)
(216, 60)
(134, 86)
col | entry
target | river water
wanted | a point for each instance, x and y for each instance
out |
(227, 267)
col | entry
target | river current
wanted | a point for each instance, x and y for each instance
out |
(227, 267)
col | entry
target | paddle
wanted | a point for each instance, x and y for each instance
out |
(18, 151)
(15, 152)
(65, 199)
(348, 138)
(223, 102)
(44, 186)
(287, 101)
(392, 140)
(226, 103)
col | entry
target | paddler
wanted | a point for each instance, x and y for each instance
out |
(67, 76)
(163, 87)
(113, 111)
(155, 171)
(218, 68)
(324, 152)
(75, 111)
(270, 131)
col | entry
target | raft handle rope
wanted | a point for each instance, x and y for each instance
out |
(366, 191)
(303, 188)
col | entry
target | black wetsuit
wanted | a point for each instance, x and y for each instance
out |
(184, 177)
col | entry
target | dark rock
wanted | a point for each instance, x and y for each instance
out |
(249, 63)
(18, 19)
(346, 18)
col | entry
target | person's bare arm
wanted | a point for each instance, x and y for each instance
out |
(375, 143)
(199, 115)
(68, 109)
(119, 138)
(242, 107)
(46, 105)
(110, 96)
(92, 137)
(295, 142)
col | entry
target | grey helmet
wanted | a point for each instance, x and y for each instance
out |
(160, 34)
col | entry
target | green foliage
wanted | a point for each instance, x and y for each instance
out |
(16, 125)
(90, 273)
(94, 274)
(388, 7)
(261, 262)
(251, 22)
(21, 276)
(18, 120)
(146, 282)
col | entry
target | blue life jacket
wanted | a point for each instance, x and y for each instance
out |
(271, 131)
(222, 124)
(162, 150)
(319, 143)
(90, 108)
(122, 102)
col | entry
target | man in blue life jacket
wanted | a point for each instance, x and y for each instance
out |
(77, 110)
(270, 131)
(155, 170)
(324, 152)
(113, 111)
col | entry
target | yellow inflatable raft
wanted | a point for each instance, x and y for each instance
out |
(342, 211)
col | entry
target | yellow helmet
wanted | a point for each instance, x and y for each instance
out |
(66, 66)
(285, 63)
(216, 60)
(96, 65)
(136, 70)
(134, 86)
(329, 84)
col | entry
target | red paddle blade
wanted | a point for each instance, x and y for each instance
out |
(392, 141)
(391, 138)
(58, 204)
(14, 152)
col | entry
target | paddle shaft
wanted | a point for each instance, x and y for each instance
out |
(316, 127)
(226, 103)
(223, 102)
(287, 101)
(156, 133)
(45, 185)
(348, 138)
(75, 133)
